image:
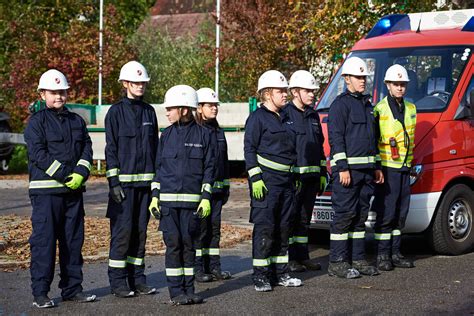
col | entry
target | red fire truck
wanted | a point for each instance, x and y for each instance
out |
(436, 48)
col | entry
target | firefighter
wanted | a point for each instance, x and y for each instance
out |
(310, 165)
(397, 120)
(182, 190)
(59, 163)
(355, 165)
(131, 132)
(208, 265)
(269, 150)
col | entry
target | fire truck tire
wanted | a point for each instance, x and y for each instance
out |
(452, 232)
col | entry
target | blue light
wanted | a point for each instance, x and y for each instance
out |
(385, 23)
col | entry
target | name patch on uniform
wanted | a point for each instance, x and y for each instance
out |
(192, 145)
(147, 123)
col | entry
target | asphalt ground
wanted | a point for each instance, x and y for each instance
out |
(438, 284)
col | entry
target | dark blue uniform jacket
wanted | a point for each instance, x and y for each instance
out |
(131, 132)
(353, 133)
(311, 161)
(222, 182)
(185, 167)
(58, 145)
(269, 147)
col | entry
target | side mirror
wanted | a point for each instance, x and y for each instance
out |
(465, 108)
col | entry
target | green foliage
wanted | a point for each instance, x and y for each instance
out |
(19, 161)
(171, 61)
(63, 34)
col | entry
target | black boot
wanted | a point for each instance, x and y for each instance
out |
(202, 277)
(342, 269)
(364, 268)
(384, 263)
(218, 274)
(400, 261)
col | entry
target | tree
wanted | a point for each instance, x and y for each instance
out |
(63, 34)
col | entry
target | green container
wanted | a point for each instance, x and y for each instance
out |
(86, 111)
(253, 104)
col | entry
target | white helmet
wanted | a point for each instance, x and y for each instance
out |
(355, 66)
(303, 79)
(53, 80)
(181, 95)
(207, 95)
(396, 73)
(133, 71)
(272, 79)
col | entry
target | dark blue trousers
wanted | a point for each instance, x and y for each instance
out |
(351, 206)
(180, 227)
(128, 226)
(271, 218)
(57, 218)
(391, 203)
(207, 245)
(304, 204)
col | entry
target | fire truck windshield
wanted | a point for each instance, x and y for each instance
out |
(433, 74)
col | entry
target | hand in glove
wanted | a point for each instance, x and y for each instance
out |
(154, 208)
(323, 183)
(117, 194)
(74, 181)
(204, 208)
(259, 190)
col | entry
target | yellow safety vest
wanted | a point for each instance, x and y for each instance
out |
(390, 127)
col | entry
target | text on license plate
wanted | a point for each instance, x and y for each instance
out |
(322, 215)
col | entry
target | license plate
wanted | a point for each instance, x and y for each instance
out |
(322, 216)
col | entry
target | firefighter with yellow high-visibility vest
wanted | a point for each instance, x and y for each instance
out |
(397, 120)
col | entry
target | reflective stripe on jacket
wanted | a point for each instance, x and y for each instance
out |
(403, 132)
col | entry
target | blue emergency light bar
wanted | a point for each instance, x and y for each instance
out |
(390, 23)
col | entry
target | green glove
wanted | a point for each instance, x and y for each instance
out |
(298, 185)
(154, 208)
(204, 208)
(323, 183)
(259, 190)
(74, 181)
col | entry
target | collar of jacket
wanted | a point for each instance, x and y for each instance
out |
(129, 101)
(277, 114)
(64, 111)
(394, 103)
(308, 110)
(211, 124)
(183, 125)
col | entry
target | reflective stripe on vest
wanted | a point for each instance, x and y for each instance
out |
(179, 197)
(273, 165)
(136, 177)
(390, 127)
(155, 185)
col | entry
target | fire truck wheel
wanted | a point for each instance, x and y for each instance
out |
(452, 232)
